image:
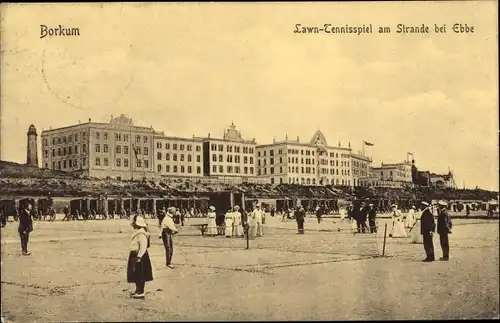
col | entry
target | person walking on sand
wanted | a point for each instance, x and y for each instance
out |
(212, 225)
(167, 230)
(300, 216)
(444, 227)
(427, 229)
(139, 270)
(25, 227)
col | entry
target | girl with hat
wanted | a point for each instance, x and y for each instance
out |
(139, 270)
(212, 225)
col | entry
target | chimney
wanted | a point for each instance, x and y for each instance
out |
(297, 138)
(78, 121)
(274, 140)
(209, 135)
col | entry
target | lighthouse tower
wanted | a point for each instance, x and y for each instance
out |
(32, 148)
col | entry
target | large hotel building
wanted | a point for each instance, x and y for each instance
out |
(121, 150)
(311, 163)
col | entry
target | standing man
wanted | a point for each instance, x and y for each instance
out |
(427, 229)
(300, 216)
(444, 228)
(318, 213)
(167, 230)
(161, 215)
(363, 215)
(372, 214)
(257, 216)
(25, 227)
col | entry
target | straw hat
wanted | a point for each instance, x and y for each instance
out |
(442, 203)
(425, 203)
(370, 204)
(140, 222)
(212, 208)
(236, 207)
(171, 209)
(394, 205)
(413, 206)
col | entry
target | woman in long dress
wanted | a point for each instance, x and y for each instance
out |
(228, 221)
(212, 225)
(237, 224)
(139, 269)
(410, 218)
(398, 226)
(415, 235)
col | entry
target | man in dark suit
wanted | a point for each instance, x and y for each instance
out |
(25, 227)
(372, 214)
(427, 229)
(300, 216)
(444, 229)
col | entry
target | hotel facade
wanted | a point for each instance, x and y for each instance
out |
(117, 149)
(311, 163)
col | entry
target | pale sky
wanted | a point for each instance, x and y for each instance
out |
(193, 68)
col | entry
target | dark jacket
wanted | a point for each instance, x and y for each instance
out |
(300, 216)
(372, 214)
(444, 222)
(427, 223)
(25, 221)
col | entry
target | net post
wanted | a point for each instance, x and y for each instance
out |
(247, 236)
(385, 237)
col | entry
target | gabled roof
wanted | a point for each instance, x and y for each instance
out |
(318, 139)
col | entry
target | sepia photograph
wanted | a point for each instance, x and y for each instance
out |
(241, 161)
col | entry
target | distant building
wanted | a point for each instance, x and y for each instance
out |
(396, 175)
(178, 157)
(231, 158)
(117, 149)
(361, 169)
(442, 180)
(312, 163)
(32, 147)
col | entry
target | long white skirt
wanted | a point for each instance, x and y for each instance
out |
(212, 227)
(410, 220)
(415, 235)
(238, 229)
(229, 227)
(398, 228)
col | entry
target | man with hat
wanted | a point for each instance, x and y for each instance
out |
(300, 216)
(25, 227)
(167, 230)
(427, 229)
(256, 221)
(212, 224)
(444, 228)
(372, 214)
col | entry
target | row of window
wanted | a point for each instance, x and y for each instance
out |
(64, 139)
(181, 147)
(229, 149)
(230, 159)
(64, 151)
(331, 171)
(182, 169)
(232, 169)
(310, 181)
(174, 157)
(118, 162)
(67, 164)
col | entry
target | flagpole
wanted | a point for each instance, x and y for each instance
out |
(363, 148)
